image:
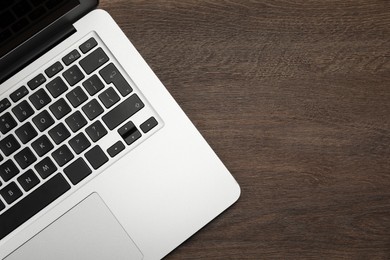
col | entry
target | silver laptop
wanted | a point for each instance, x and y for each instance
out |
(97, 160)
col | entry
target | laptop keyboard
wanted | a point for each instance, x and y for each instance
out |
(54, 129)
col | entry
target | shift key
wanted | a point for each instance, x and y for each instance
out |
(123, 111)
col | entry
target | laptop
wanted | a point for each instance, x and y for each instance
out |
(97, 160)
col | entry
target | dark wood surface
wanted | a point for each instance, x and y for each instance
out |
(294, 96)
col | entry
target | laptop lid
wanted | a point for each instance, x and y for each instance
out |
(29, 28)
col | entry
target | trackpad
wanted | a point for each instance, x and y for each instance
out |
(87, 231)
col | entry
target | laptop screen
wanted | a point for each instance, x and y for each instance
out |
(22, 19)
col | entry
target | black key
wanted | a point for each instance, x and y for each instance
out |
(111, 74)
(26, 133)
(56, 87)
(43, 120)
(96, 157)
(148, 125)
(8, 170)
(36, 82)
(4, 104)
(2, 206)
(123, 111)
(94, 60)
(116, 149)
(22, 111)
(60, 108)
(71, 57)
(28, 180)
(129, 133)
(93, 85)
(79, 143)
(25, 158)
(77, 171)
(10, 193)
(76, 97)
(32, 204)
(96, 131)
(88, 45)
(40, 99)
(73, 75)
(42, 145)
(45, 167)
(19, 94)
(62, 155)
(59, 133)
(54, 69)
(7, 123)
(109, 97)
(93, 109)
(76, 121)
(9, 145)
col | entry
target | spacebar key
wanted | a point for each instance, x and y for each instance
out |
(32, 204)
(123, 111)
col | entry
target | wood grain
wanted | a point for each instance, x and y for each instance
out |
(294, 96)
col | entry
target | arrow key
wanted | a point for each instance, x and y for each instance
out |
(116, 149)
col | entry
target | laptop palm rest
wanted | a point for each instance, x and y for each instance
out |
(87, 231)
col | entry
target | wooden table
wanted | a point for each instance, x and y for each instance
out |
(294, 96)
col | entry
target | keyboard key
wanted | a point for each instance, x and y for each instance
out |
(76, 121)
(148, 125)
(4, 104)
(54, 69)
(94, 60)
(111, 74)
(7, 123)
(59, 133)
(40, 99)
(96, 131)
(93, 109)
(71, 57)
(56, 87)
(25, 158)
(9, 145)
(96, 157)
(77, 171)
(88, 45)
(45, 167)
(129, 133)
(8, 170)
(10, 193)
(62, 155)
(76, 97)
(123, 111)
(26, 133)
(32, 204)
(93, 85)
(43, 120)
(60, 108)
(42, 145)
(109, 97)
(116, 149)
(79, 143)
(19, 94)
(28, 180)
(2, 206)
(73, 75)
(36, 82)
(22, 111)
